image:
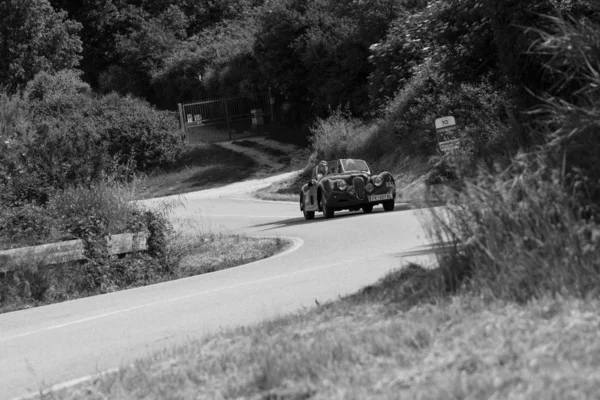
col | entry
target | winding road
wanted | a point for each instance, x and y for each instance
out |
(50, 345)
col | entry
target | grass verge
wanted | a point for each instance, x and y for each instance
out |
(375, 345)
(32, 285)
(203, 166)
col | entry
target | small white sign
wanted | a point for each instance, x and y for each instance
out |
(447, 134)
(444, 122)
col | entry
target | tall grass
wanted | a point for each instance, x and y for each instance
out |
(341, 135)
(104, 207)
(520, 236)
(532, 228)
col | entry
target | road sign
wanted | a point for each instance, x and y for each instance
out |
(447, 134)
(444, 122)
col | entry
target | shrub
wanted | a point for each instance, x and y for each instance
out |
(480, 111)
(569, 123)
(136, 134)
(66, 136)
(520, 235)
(63, 83)
(533, 228)
(27, 226)
(336, 136)
(76, 209)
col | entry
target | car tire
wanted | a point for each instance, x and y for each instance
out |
(367, 209)
(327, 211)
(307, 214)
(389, 205)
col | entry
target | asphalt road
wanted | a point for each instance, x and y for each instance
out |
(49, 345)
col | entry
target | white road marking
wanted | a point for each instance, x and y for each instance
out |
(297, 244)
(248, 216)
(96, 317)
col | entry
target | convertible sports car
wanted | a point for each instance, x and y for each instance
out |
(346, 184)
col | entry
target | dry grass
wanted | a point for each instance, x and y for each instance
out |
(33, 285)
(215, 252)
(201, 167)
(361, 348)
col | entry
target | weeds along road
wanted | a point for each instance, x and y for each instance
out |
(54, 344)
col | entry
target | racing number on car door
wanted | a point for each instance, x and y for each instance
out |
(312, 194)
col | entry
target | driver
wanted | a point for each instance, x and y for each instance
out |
(321, 169)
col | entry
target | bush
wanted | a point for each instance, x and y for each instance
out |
(108, 203)
(63, 83)
(27, 226)
(66, 136)
(520, 236)
(73, 213)
(569, 123)
(481, 111)
(136, 134)
(534, 228)
(90, 214)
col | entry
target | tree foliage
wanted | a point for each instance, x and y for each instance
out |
(35, 38)
(140, 51)
(60, 134)
(316, 52)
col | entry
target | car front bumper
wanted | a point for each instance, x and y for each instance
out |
(344, 200)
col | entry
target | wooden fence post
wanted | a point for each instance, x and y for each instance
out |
(182, 122)
(227, 118)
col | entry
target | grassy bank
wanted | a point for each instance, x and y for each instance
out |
(202, 166)
(35, 285)
(376, 345)
(93, 213)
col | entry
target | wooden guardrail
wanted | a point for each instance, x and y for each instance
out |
(71, 250)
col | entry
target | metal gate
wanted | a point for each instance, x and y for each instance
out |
(218, 120)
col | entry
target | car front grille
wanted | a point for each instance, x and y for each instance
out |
(359, 187)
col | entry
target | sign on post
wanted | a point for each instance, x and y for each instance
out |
(447, 134)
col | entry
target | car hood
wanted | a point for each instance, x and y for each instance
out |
(347, 175)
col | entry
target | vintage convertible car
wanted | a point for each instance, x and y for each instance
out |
(346, 184)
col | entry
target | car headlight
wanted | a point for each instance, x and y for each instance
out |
(342, 185)
(378, 181)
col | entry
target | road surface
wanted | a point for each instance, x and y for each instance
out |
(49, 345)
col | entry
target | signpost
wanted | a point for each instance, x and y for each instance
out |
(447, 134)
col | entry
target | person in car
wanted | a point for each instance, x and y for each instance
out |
(322, 169)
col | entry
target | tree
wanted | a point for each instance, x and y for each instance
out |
(35, 38)
(142, 50)
(316, 52)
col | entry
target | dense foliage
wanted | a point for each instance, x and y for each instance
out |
(59, 134)
(34, 38)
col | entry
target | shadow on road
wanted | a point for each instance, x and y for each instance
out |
(319, 218)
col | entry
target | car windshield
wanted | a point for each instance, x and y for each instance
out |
(332, 167)
(354, 165)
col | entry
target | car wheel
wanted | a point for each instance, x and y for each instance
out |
(367, 208)
(389, 205)
(307, 214)
(327, 211)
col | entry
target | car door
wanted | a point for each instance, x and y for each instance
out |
(311, 201)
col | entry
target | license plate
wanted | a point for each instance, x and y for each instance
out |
(378, 197)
